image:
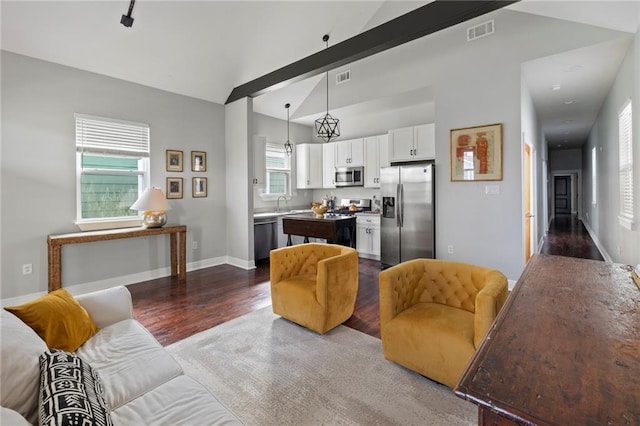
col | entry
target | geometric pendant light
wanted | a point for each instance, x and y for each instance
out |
(287, 145)
(327, 127)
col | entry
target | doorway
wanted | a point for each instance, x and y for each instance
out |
(562, 194)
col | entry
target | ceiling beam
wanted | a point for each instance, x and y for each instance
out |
(423, 21)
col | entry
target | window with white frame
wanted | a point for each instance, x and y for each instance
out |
(625, 138)
(278, 165)
(112, 167)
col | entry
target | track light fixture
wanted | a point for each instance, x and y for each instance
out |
(327, 127)
(287, 145)
(127, 20)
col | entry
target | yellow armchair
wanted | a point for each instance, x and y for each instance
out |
(434, 314)
(314, 285)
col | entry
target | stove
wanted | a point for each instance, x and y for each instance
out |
(362, 205)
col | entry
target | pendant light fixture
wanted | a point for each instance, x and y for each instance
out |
(327, 127)
(287, 145)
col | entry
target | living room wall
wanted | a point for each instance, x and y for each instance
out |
(38, 180)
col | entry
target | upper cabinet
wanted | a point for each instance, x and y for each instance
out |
(259, 158)
(350, 153)
(376, 155)
(412, 143)
(329, 165)
(308, 166)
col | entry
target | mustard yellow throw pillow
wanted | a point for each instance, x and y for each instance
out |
(58, 319)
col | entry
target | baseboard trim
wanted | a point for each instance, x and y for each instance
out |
(131, 279)
(595, 239)
(511, 284)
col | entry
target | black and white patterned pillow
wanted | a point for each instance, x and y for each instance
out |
(70, 392)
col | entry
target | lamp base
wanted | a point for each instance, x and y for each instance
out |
(154, 219)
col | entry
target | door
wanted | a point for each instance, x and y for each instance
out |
(416, 212)
(527, 202)
(562, 191)
(389, 231)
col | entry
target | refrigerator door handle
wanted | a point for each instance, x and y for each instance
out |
(400, 204)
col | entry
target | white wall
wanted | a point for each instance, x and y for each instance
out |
(275, 130)
(38, 177)
(621, 244)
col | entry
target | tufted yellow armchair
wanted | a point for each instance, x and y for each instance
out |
(314, 285)
(434, 314)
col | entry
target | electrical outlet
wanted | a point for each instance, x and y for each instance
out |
(450, 249)
(27, 269)
(194, 245)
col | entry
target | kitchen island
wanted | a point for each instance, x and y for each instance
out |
(335, 229)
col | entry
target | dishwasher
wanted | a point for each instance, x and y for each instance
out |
(265, 236)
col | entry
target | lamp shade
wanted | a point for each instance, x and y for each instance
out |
(152, 199)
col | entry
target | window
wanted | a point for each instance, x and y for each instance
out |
(626, 165)
(112, 163)
(278, 165)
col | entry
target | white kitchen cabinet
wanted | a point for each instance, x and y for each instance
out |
(376, 155)
(368, 236)
(350, 153)
(259, 158)
(329, 165)
(308, 166)
(412, 143)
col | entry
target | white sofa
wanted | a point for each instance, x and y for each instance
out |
(143, 384)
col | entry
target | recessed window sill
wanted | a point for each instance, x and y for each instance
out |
(626, 222)
(110, 223)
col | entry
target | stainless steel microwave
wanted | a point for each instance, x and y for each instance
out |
(349, 176)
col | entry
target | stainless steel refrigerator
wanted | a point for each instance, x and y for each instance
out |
(408, 213)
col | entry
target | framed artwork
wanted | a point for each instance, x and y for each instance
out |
(199, 187)
(174, 187)
(476, 153)
(198, 161)
(174, 160)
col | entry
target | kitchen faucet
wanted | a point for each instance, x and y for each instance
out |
(278, 203)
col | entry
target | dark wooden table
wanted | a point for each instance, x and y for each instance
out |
(564, 350)
(331, 228)
(178, 241)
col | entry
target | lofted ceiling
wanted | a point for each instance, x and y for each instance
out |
(204, 49)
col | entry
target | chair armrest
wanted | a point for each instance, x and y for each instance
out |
(337, 279)
(489, 301)
(108, 306)
(396, 288)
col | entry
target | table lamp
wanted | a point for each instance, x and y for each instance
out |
(153, 204)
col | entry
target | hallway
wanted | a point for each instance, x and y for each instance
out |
(568, 237)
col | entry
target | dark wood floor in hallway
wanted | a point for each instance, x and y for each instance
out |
(173, 311)
(568, 237)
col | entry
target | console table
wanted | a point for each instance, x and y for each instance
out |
(178, 243)
(565, 348)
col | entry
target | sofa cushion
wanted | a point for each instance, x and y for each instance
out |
(58, 318)
(70, 392)
(11, 417)
(130, 361)
(181, 401)
(19, 372)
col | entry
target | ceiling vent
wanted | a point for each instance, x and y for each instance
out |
(480, 30)
(343, 77)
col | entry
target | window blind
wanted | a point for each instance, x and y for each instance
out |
(109, 136)
(276, 157)
(626, 160)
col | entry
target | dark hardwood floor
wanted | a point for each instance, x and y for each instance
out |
(568, 237)
(173, 311)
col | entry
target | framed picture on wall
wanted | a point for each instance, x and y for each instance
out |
(198, 161)
(174, 187)
(476, 153)
(199, 189)
(174, 160)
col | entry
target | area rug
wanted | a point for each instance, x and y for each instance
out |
(269, 371)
